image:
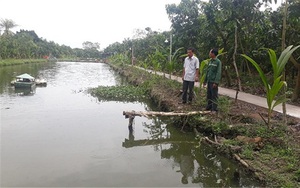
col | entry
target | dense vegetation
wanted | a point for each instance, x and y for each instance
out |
(205, 25)
(270, 153)
(237, 27)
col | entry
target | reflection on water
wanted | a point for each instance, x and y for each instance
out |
(25, 91)
(60, 136)
(197, 164)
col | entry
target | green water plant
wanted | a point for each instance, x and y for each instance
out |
(273, 88)
(125, 93)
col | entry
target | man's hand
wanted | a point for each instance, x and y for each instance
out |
(196, 79)
(204, 85)
(215, 85)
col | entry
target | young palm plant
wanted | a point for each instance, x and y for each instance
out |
(272, 89)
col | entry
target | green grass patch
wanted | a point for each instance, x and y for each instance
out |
(247, 152)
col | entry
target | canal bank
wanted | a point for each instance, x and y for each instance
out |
(238, 132)
(61, 136)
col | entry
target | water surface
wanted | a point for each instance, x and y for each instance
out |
(60, 136)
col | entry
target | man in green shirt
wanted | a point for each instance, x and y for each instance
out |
(212, 79)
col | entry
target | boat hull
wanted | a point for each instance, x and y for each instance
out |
(24, 84)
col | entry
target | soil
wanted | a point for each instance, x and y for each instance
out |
(240, 110)
(168, 99)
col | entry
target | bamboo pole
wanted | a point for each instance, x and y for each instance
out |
(128, 114)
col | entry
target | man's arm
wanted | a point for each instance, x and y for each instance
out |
(218, 73)
(197, 70)
(197, 75)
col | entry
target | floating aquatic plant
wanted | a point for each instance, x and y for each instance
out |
(119, 93)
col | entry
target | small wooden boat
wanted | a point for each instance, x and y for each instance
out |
(40, 82)
(24, 81)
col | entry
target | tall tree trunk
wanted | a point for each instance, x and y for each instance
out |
(234, 62)
(283, 47)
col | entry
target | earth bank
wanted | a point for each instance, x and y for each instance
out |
(237, 131)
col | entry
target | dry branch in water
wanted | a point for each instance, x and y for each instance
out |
(128, 114)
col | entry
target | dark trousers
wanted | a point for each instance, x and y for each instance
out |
(212, 97)
(187, 90)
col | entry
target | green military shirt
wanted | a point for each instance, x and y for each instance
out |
(213, 71)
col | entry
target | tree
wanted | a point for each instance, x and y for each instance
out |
(91, 45)
(7, 25)
(185, 23)
(293, 37)
(91, 50)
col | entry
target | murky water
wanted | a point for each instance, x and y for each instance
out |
(60, 136)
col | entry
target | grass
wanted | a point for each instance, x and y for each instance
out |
(277, 160)
(9, 62)
(278, 154)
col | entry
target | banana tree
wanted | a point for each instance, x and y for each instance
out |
(119, 59)
(156, 60)
(272, 89)
(171, 63)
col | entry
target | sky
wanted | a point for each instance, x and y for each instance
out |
(72, 22)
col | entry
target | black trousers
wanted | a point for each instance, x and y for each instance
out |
(188, 90)
(212, 97)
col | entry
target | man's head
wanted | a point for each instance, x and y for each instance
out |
(190, 52)
(213, 53)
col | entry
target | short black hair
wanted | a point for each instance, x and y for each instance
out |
(192, 49)
(215, 51)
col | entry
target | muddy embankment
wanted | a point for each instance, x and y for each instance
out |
(237, 131)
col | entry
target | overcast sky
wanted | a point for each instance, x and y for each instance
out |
(71, 22)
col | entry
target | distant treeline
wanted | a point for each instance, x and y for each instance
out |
(26, 44)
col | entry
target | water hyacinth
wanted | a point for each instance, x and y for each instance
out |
(119, 93)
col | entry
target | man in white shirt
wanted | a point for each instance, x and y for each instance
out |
(190, 75)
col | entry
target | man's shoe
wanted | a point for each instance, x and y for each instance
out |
(182, 102)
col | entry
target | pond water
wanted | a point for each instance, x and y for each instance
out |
(61, 136)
